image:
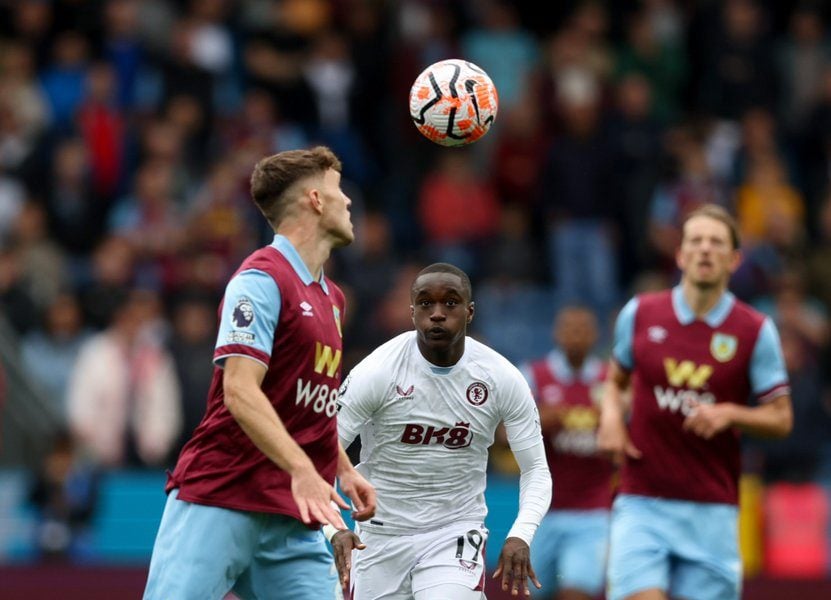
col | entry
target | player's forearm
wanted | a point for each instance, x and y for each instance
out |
(257, 418)
(771, 420)
(534, 492)
(344, 463)
(612, 406)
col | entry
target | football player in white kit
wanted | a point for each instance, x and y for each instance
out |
(426, 405)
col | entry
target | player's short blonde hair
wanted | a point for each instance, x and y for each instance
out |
(719, 213)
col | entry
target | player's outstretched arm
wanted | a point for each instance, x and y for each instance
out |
(256, 416)
(514, 567)
(356, 488)
(612, 436)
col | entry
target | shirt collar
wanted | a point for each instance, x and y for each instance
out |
(285, 247)
(564, 372)
(714, 318)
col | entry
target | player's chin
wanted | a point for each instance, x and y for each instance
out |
(436, 341)
(343, 238)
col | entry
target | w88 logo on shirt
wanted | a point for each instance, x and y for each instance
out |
(458, 436)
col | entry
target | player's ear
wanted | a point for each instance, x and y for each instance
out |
(316, 199)
(412, 312)
(470, 310)
(736, 261)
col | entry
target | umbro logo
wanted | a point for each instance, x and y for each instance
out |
(656, 334)
(307, 309)
(405, 394)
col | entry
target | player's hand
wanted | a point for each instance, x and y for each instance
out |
(613, 441)
(708, 420)
(343, 542)
(360, 491)
(515, 568)
(313, 496)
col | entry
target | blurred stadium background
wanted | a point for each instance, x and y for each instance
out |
(128, 130)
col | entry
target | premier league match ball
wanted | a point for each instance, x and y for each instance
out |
(453, 102)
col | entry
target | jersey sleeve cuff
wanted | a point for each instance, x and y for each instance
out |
(782, 389)
(223, 352)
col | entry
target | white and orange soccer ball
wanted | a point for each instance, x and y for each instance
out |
(453, 102)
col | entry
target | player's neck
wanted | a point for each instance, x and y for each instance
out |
(313, 251)
(441, 358)
(701, 300)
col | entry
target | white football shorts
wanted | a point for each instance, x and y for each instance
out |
(396, 567)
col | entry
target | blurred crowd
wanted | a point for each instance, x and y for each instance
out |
(128, 131)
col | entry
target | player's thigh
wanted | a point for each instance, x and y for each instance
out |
(199, 551)
(291, 560)
(449, 591)
(707, 565)
(583, 552)
(639, 553)
(452, 555)
(383, 570)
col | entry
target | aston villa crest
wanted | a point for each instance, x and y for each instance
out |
(723, 347)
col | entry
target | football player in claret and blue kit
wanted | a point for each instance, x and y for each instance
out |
(703, 367)
(256, 480)
(570, 548)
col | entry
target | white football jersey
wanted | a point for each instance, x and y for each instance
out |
(425, 430)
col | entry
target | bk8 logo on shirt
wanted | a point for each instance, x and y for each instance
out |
(458, 436)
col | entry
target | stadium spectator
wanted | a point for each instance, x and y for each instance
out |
(45, 268)
(257, 475)
(797, 458)
(690, 185)
(64, 78)
(739, 70)
(577, 200)
(803, 53)
(64, 493)
(636, 141)
(468, 207)
(104, 130)
(123, 401)
(425, 448)
(110, 276)
(569, 551)
(191, 344)
(57, 343)
(765, 199)
(674, 524)
(819, 258)
(661, 61)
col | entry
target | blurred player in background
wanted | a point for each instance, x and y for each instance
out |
(694, 356)
(256, 479)
(426, 405)
(569, 550)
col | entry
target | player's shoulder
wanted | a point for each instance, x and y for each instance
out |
(384, 358)
(489, 361)
(742, 314)
(651, 300)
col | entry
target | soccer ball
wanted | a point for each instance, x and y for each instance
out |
(453, 102)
